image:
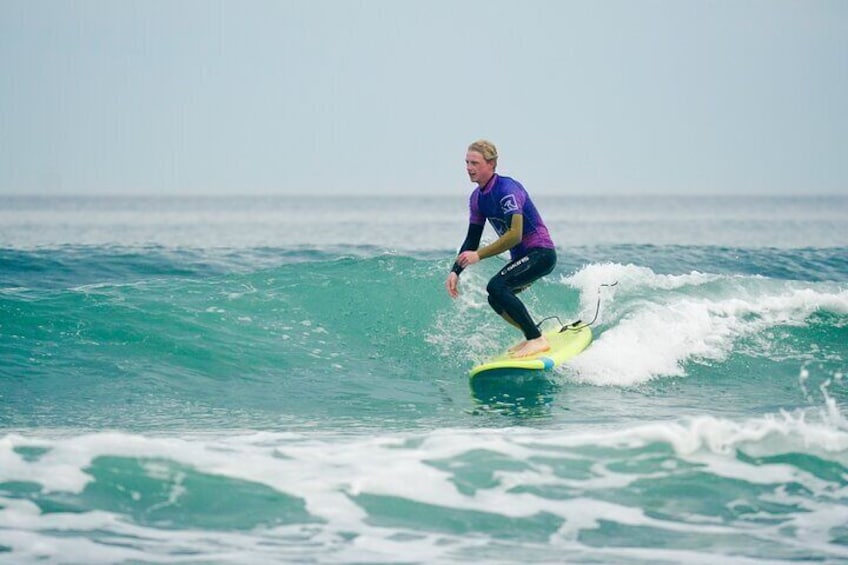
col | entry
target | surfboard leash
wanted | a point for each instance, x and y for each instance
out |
(579, 323)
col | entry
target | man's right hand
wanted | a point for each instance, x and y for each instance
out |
(452, 284)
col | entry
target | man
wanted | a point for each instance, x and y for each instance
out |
(508, 208)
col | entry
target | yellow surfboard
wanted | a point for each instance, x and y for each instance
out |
(565, 344)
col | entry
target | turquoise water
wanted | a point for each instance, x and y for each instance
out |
(268, 381)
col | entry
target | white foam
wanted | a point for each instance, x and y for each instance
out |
(652, 325)
(631, 276)
(329, 472)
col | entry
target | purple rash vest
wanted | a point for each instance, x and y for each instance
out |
(497, 201)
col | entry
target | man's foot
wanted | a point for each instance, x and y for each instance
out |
(516, 347)
(532, 347)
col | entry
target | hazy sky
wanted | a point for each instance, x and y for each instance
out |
(383, 96)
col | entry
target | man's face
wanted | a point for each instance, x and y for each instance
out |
(478, 169)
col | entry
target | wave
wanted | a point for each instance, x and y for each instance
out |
(184, 338)
(655, 325)
(765, 488)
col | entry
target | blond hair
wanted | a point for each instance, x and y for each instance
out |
(485, 148)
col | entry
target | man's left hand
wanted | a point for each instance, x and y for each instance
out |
(467, 258)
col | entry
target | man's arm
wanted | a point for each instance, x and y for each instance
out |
(471, 243)
(507, 241)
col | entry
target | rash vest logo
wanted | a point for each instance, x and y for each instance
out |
(508, 204)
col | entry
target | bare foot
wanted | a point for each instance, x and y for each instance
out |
(516, 347)
(532, 347)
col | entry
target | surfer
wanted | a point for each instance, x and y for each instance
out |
(508, 208)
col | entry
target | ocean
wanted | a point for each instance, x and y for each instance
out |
(242, 380)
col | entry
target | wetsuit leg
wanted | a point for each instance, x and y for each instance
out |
(514, 278)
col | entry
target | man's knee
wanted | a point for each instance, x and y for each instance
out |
(496, 287)
(496, 306)
(496, 290)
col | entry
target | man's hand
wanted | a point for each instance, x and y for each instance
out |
(452, 284)
(468, 258)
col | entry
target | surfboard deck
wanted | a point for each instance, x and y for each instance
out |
(564, 345)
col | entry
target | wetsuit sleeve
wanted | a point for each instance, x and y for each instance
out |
(471, 243)
(508, 239)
